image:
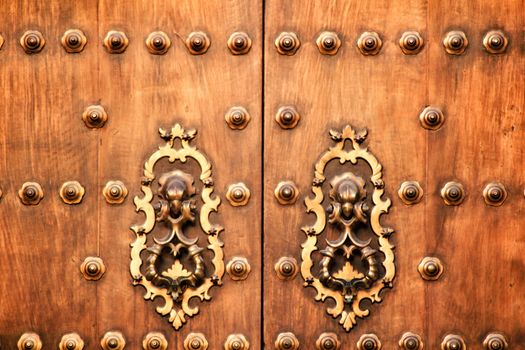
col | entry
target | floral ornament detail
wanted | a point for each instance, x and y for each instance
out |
(353, 267)
(176, 208)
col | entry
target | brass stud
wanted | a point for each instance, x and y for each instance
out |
(495, 194)
(328, 43)
(95, 116)
(453, 342)
(154, 341)
(287, 117)
(195, 341)
(455, 42)
(93, 268)
(410, 192)
(495, 42)
(113, 341)
(239, 43)
(115, 192)
(198, 43)
(29, 341)
(1, 41)
(430, 268)
(32, 41)
(286, 341)
(286, 268)
(1, 193)
(328, 341)
(369, 43)
(411, 341)
(116, 42)
(31, 193)
(495, 341)
(71, 341)
(238, 268)
(236, 342)
(73, 41)
(158, 43)
(286, 192)
(411, 43)
(238, 194)
(431, 118)
(453, 193)
(237, 118)
(368, 342)
(71, 192)
(287, 43)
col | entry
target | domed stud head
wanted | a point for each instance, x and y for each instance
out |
(287, 43)
(29, 341)
(453, 193)
(410, 192)
(238, 268)
(1, 41)
(115, 192)
(494, 194)
(116, 42)
(287, 117)
(495, 42)
(328, 43)
(328, 341)
(453, 342)
(32, 41)
(495, 341)
(238, 194)
(95, 116)
(198, 43)
(430, 268)
(411, 341)
(239, 43)
(31, 193)
(92, 268)
(369, 342)
(236, 342)
(73, 41)
(286, 341)
(237, 118)
(286, 268)
(158, 43)
(411, 43)
(154, 341)
(431, 118)
(195, 341)
(71, 192)
(369, 43)
(71, 341)
(113, 341)
(455, 42)
(286, 192)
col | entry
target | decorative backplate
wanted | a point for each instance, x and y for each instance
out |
(178, 206)
(359, 262)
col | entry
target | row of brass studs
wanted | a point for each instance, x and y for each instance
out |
(411, 43)
(116, 42)
(408, 341)
(71, 192)
(197, 341)
(453, 193)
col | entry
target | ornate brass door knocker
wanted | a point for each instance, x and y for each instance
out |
(187, 274)
(359, 262)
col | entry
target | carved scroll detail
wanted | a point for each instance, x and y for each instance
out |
(349, 210)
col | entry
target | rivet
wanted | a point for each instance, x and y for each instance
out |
(430, 268)
(115, 192)
(113, 341)
(239, 43)
(453, 342)
(238, 194)
(32, 41)
(328, 43)
(495, 341)
(237, 118)
(369, 43)
(495, 42)
(116, 42)
(455, 42)
(495, 194)
(286, 341)
(410, 341)
(286, 192)
(287, 117)
(71, 341)
(287, 43)
(195, 341)
(29, 341)
(286, 268)
(411, 43)
(431, 118)
(73, 41)
(158, 43)
(410, 192)
(92, 268)
(95, 116)
(238, 268)
(154, 341)
(453, 193)
(369, 342)
(328, 341)
(236, 342)
(71, 192)
(198, 43)
(31, 193)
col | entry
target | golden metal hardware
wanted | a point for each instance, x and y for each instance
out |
(116, 42)
(1, 41)
(411, 341)
(286, 341)
(71, 341)
(431, 118)
(411, 43)
(238, 268)
(32, 41)
(239, 43)
(369, 342)
(495, 42)
(92, 268)
(495, 341)
(453, 342)
(453, 193)
(71, 192)
(287, 117)
(286, 268)
(287, 43)
(369, 43)
(175, 209)
(95, 116)
(158, 43)
(328, 43)
(238, 194)
(113, 341)
(29, 341)
(286, 192)
(31, 193)
(198, 43)
(237, 118)
(351, 207)
(236, 342)
(455, 42)
(154, 341)
(410, 192)
(430, 268)
(73, 41)
(195, 341)
(115, 192)
(328, 341)
(495, 194)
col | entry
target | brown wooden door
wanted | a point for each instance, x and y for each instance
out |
(416, 244)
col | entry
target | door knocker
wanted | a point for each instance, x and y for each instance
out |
(171, 265)
(359, 262)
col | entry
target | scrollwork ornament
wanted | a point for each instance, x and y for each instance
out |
(176, 207)
(352, 207)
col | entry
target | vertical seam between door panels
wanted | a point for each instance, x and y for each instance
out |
(263, 143)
